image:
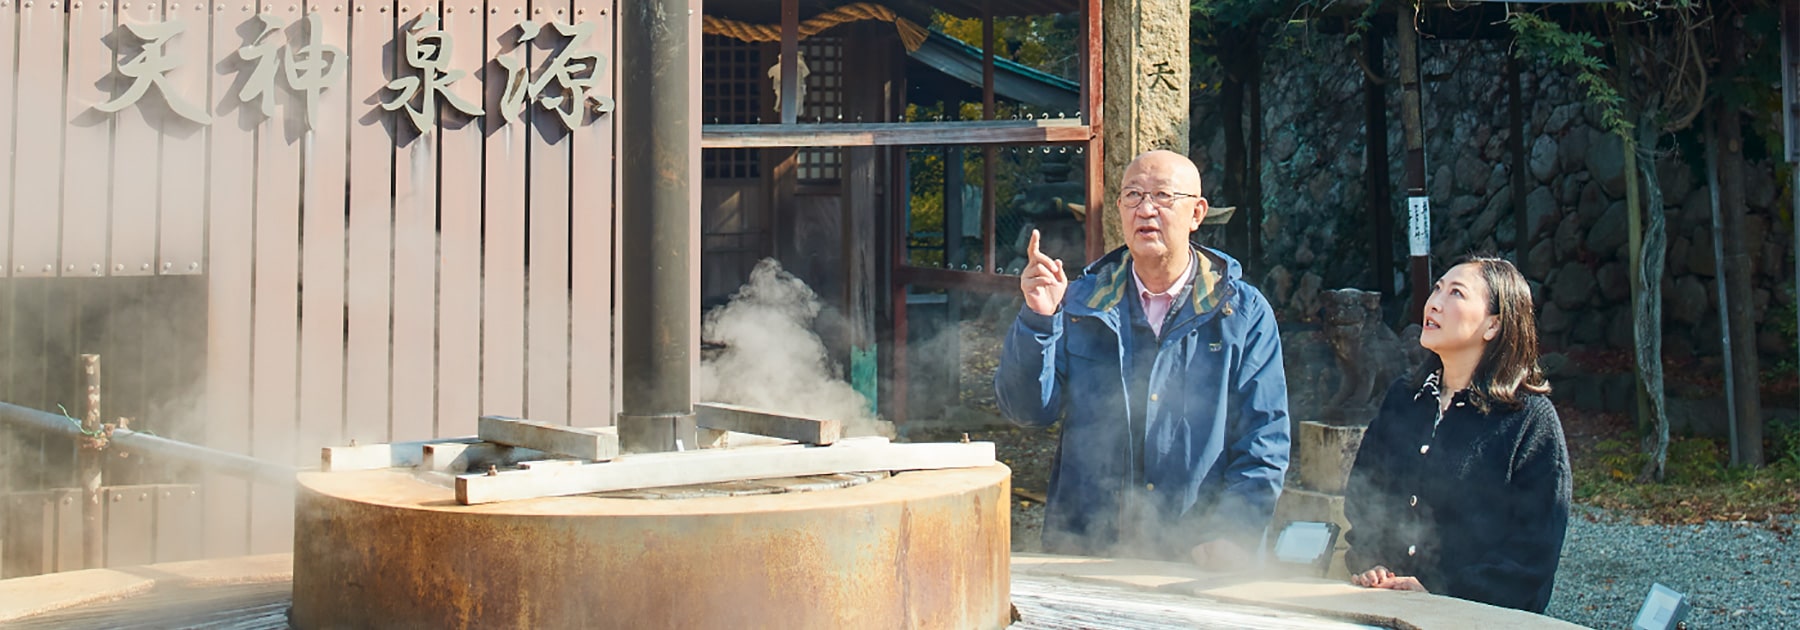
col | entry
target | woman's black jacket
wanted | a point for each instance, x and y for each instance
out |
(1475, 509)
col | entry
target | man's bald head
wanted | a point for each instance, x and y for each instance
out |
(1175, 167)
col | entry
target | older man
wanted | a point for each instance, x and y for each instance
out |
(1164, 367)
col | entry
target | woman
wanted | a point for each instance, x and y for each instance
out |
(1462, 484)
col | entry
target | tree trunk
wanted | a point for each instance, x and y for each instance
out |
(1734, 267)
(1647, 294)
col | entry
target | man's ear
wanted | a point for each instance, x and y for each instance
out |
(1200, 208)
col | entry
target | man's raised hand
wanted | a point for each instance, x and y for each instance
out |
(1043, 280)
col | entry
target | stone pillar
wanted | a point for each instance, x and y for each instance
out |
(1322, 456)
(1146, 74)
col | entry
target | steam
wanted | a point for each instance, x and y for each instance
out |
(773, 360)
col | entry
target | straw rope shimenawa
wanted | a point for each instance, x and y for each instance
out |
(910, 34)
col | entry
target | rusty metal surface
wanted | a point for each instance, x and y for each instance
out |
(924, 549)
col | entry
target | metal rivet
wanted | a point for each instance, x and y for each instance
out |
(49, 268)
(54, 5)
(559, 11)
(193, 266)
(152, 7)
(115, 498)
(71, 268)
(168, 265)
(118, 267)
(518, 11)
(21, 269)
(75, 6)
(291, 9)
(97, 269)
(359, 8)
(538, 11)
(144, 267)
(381, 10)
(27, 5)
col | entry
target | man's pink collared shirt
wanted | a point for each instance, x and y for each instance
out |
(1157, 305)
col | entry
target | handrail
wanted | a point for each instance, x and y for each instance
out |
(153, 445)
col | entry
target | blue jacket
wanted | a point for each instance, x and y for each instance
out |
(1216, 443)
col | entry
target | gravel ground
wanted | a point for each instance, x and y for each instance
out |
(1735, 575)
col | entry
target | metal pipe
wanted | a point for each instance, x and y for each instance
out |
(154, 446)
(656, 397)
(1718, 243)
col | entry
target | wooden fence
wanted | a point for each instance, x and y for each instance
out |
(273, 251)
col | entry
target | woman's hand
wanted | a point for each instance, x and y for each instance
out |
(1372, 578)
(1398, 583)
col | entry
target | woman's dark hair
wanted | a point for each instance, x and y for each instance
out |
(1509, 364)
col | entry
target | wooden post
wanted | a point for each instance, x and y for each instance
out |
(1381, 215)
(1736, 311)
(1418, 225)
(1093, 95)
(790, 57)
(93, 550)
(988, 170)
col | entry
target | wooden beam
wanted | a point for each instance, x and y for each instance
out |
(893, 134)
(725, 417)
(459, 458)
(592, 444)
(1093, 94)
(654, 470)
(379, 456)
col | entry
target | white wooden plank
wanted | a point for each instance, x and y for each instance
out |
(589, 444)
(723, 417)
(714, 466)
(378, 456)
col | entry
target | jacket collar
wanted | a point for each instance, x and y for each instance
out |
(1106, 283)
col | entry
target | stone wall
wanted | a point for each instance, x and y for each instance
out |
(1316, 234)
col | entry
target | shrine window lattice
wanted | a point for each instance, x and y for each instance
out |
(731, 93)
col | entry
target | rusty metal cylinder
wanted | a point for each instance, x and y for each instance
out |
(925, 549)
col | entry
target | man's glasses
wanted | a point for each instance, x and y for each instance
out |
(1164, 198)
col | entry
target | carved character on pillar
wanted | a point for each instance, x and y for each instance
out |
(1369, 355)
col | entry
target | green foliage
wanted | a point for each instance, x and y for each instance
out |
(1046, 43)
(1541, 39)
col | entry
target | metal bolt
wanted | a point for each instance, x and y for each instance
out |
(119, 267)
(97, 269)
(193, 266)
(71, 268)
(53, 5)
(115, 498)
(21, 268)
(27, 5)
(559, 11)
(381, 10)
(49, 268)
(168, 265)
(144, 267)
(75, 6)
